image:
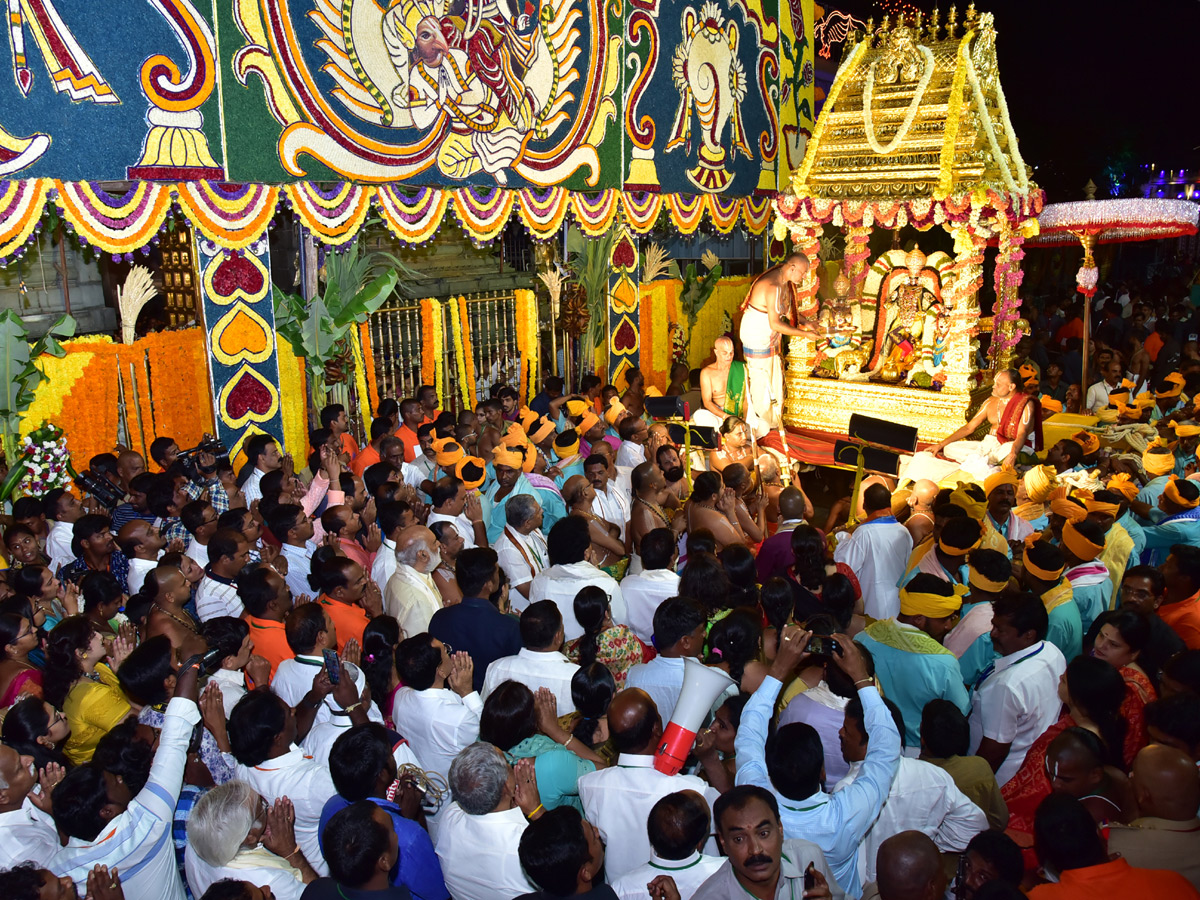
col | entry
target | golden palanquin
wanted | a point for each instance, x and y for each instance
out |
(915, 131)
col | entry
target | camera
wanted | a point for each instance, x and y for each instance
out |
(109, 494)
(190, 459)
(826, 646)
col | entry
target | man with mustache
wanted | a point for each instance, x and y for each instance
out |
(650, 509)
(760, 862)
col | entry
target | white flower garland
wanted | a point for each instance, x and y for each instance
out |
(909, 116)
(986, 118)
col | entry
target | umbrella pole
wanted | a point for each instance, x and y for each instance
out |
(1089, 262)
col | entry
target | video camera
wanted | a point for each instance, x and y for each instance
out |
(109, 494)
(190, 459)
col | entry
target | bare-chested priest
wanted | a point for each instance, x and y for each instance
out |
(723, 390)
(1009, 412)
(763, 324)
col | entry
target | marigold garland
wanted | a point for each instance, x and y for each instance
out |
(427, 354)
(463, 350)
(368, 355)
(525, 309)
(293, 400)
(361, 385)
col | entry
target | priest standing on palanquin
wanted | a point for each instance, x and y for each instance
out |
(1009, 411)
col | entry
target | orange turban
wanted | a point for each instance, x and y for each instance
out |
(1172, 493)
(515, 436)
(1039, 482)
(1160, 462)
(589, 421)
(614, 411)
(508, 456)
(1029, 375)
(1088, 441)
(1122, 484)
(527, 417)
(998, 479)
(577, 407)
(1092, 505)
(1079, 545)
(1034, 569)
(1050, 405)
(1182, 430)
(447, 451)
(567, 443)
(542, 430)
(471, 471)
(1062, 505)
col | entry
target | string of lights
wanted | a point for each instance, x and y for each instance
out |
(894, 8)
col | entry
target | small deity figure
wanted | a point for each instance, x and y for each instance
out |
(913, 308)
(840, 325)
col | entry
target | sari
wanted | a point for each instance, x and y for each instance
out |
(28, 683)
(618, 648)
(1138, 692)
(1030, 786)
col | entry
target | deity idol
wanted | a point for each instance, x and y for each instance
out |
(911, 312)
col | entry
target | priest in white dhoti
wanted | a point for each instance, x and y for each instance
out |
(723, 391)
(1014, 419)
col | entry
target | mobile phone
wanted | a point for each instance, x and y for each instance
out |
(332, 665)
(810, 878)
(824, 645)
(211, 661)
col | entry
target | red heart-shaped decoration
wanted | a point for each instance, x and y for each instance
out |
(248, 395)
(625, 340)
(777, 249)
(624, 255)
(236, 272)
(24, 80)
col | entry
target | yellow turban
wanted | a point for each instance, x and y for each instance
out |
(1122, 484)
(508, 456)
(1108, 415)
(542, 430)
(1143, 400)
(447, 451)
(1034, 569)
(1050, 405)
(652, 391)
(471, 471)
(614, 411)
(1158, 463)
(1172, 493)
(1174, 379)
(1062, 505)
(589, 421)
(1040, 481)
(1088, 441)
(1079, 545)
(515, 436)
(577, 407)
(566, 444)
(1029, 375)
(976, 509)
(982, 582)
(998, 479)
(932, 606)
(1092, 505)
(1186, 430)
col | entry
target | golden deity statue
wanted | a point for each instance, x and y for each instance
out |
(907, 329)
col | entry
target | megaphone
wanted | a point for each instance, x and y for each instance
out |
(702, 685)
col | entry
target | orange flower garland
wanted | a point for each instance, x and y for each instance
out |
(427, 343)
(364, 334)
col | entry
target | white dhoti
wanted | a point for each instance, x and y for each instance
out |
(979, 459)
(764, 369)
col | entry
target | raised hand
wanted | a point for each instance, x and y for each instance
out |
(352, 652)
(462, 673)
(280, 834)
(104, 884)
(48, 778)
(526, 791)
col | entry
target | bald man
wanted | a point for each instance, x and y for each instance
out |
(775, 555)
(723, 390)
(1075, 765)
(920, 503)
(909, 867)
(618, 800)
(1166, 835)
(411, 595)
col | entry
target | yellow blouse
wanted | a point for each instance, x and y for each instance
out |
(93, 708)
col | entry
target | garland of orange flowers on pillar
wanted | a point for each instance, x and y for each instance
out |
(364, 336)
(525, 307)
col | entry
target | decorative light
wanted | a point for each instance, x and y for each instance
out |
(1116, 221)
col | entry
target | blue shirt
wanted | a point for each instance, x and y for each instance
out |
(419, 869)
(1150, 494)
(479, 628)
(912, 679)
(558, 770)
(552, 505)
(834, 822)
(1137, 533)
(1181, 528)
(978, 656)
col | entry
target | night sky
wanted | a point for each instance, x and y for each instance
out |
(1087, 80)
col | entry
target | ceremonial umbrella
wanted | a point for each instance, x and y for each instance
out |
(1093, 222)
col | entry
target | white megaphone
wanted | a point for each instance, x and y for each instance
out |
(702, 685)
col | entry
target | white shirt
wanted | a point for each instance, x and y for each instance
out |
(215, 598)
(878, 553)
(299, 561)
(631, 454)
(252, 489)
(138, 569)
(479, 854)
(258, 866)
(612, 506)
(307, 784)
(923, 798)
(412, 598)
(58, 544)
(461, 523)
(1097, 395)
(522, 557)
(197, 551)
(385, 563)
(562, 583)
(643, 594)
(29, 834)
(688, 874)
(232, 683)
(437, 723)
(618, 801)
(535, 669)
(320, 738)
(662, 679)
(1017, 702)
(138, 841)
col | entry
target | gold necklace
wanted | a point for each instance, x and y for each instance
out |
(656, 509)
(189, 623)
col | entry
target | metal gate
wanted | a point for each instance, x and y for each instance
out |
(396, 346)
